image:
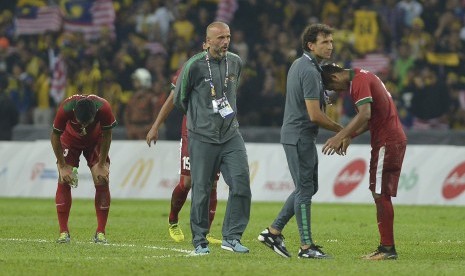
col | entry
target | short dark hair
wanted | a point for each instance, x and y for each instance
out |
(328, 71)
(85, 110)
(311, 32)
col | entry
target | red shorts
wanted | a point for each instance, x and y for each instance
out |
(385, 166)
(72, 151)
(185, 165)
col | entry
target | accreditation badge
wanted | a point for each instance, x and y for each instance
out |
(224, 108)
(215, 106)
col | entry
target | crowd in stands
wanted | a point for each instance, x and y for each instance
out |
(417, 47)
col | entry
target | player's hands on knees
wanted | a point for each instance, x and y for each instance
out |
(152, 135)
(101, 173)
(65, 173)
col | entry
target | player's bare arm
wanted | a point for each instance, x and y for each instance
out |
(360, 121)
(318, 117)
(64, 170)
(165, 110)
(101, 170)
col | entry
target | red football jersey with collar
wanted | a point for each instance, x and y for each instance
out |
(385, 126)
(65, 121)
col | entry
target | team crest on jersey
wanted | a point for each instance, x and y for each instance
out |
(83, 131)
(232, 78)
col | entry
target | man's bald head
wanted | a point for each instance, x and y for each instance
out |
(215, 27)
(217, 39)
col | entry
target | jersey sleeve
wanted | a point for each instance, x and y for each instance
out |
(61, 118)
(361, 92)
(183, 88)
(106, 117)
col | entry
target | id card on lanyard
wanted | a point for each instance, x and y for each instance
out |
(220, 105)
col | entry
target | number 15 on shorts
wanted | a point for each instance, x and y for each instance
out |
(185, 163)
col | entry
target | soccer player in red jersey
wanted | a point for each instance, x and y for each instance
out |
(83, 125)
(180, 192)
(377, 113)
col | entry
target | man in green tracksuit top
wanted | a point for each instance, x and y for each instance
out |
(206, 92)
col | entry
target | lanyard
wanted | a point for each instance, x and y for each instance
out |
(212, 87)
(308, 57)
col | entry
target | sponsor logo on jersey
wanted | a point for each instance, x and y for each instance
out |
(454, 184)
(349, 177)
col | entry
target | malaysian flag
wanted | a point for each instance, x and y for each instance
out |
(89, 17)
(37, 19)
(374, 63)
(226, 10)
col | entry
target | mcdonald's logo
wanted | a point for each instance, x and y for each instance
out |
(138, 174)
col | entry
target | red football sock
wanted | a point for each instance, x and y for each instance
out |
(178, 198)
(102, 206)
(212, 208)
(63, 204)
(385, 217)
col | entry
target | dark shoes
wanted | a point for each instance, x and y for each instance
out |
(382, 253)
(313, 252)
(275, 242)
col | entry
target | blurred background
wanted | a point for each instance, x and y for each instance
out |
(127, 51)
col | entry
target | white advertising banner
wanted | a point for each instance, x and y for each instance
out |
(432, 175)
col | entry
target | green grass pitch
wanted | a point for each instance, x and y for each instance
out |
(430, 240)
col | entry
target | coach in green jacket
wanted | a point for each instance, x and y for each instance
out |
(206, 92)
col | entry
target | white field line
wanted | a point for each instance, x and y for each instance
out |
(186, 253)
(447, 242)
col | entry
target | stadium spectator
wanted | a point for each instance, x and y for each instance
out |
(111, 90)
(43, 110)
(304, 114)
(20, 89)
(457, 102)
(376, 113)
(430, 100)
(412, 9)
(240, 46)
(8, 111)
(140, 108)
(4, 55)
(183, 28)
(403, 64)
(417, 40)
(391, 20)
(83, 125)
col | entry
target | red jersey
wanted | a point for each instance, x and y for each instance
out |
(384, 125)
(184, 119)
(65, 121)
